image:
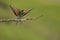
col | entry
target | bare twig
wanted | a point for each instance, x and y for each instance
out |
(14, 20)
(19, 20)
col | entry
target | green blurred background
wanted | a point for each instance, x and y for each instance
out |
(44, 28)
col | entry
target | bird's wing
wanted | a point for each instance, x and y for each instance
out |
(15, 10)
(27, 11)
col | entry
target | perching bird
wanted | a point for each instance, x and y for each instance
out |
(19, 13)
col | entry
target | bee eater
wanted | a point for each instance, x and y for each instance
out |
(19, 13)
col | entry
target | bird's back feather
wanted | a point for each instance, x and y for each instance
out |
(15, 10)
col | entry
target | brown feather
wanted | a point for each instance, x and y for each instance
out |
(15, 10)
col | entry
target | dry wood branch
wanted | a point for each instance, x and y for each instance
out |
(19, 20)
(13, 20)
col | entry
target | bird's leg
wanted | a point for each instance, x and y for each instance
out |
(19, 21)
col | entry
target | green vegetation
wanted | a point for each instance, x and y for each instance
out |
(45, 28)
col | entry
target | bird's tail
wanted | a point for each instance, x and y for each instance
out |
(12, 9)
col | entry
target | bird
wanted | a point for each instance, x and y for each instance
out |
(19, 13)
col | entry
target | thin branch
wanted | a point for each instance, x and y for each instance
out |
(19, 20)
(12, 20)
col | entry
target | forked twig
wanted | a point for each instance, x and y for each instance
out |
(19, 20)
